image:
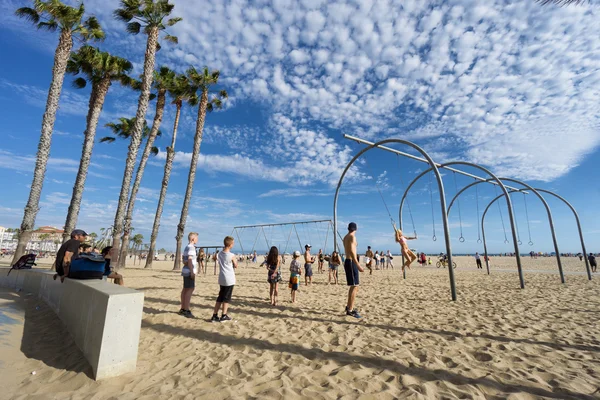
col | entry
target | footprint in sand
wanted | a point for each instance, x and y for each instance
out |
(485, 357)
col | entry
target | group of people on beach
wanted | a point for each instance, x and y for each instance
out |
(228, 262)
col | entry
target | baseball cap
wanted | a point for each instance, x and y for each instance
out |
(76, 232)
(307, 245)
(296, 253)
(352, 227)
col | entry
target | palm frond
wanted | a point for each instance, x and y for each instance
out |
(209, 107)
(223, 94)
(152, 96)
(124, 15)
(107, 139)
(79, 83)
(91, 30)
(562, 2)
(171, 39)
(29, 14)
(51, 25)
(173, 21)
(154, 150)
(134, 28)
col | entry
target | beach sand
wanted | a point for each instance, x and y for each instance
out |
(496, 342)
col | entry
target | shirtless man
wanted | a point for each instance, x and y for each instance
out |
(352, 268)
(369, 261)
(308, 262)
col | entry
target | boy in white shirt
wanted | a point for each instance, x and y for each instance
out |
(189, 271)
(227, 263)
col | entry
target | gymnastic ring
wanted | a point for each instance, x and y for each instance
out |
(461, 239)
(434, 238)
(479, 241)
(519, 242)
(506, 241)
(530, 243)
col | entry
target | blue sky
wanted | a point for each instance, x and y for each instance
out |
(511, 85)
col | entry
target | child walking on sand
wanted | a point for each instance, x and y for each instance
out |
(295, 272)
(227, 263)
(274, 277)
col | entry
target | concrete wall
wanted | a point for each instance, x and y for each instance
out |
(103, 318)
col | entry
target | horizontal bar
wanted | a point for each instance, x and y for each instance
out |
(359, 140)
(281, 224)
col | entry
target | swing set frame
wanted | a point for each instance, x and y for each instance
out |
(434, 167)
(237, 229)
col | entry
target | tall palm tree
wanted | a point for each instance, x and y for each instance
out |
(52, 15)
(100, 69)
(203, 81)
(163, 80)
(180, 91)
(123, 129)
(149, 16)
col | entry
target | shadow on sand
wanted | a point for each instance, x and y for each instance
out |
(45, 338)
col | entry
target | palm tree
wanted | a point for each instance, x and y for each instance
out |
(52, 15)
(149, 15)
(163, 80)
(180, 91)
(203, 81)
(122, 130)
(100, 69)
(93, 236)
(138, 240)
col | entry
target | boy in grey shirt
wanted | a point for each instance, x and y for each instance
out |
(227, 263)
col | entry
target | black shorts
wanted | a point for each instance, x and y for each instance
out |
(225, 294)
(478, 262)
(189, 283)
(351, 269)
(83, 275)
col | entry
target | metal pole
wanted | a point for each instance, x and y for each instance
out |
(550, 221)
(288, 240)
(440, 188)
(283, 223)
(359, 140)
(298, 236)
(326, 237)
(266, 240)
(483, 235)
(587, 264)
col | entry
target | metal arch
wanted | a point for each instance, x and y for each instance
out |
(587, 263)
(508, 203)
(485, 253)
(440, 188)
(550, 221)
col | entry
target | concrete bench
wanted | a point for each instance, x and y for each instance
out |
(104, 319)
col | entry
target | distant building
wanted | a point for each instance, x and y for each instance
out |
(43, 239)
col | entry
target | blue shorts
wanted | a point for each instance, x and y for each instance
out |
(351, 269)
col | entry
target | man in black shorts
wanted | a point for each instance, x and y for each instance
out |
(352, 268)
(68, 252)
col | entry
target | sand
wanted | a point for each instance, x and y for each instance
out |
(497, 341)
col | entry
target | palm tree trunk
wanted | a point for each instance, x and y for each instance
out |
(163, 189)
(191, 176)
(97, 97)
(136, 136)
(160, 107)
(61, 57)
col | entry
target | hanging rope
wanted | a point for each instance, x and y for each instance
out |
(326, 237)
(380, 194)
(461, 238)
(501, 216)
(478, 225)
(412, 221)
(527, 215)
(298, 236)
(434, 238)
(255, 240)
(288, 239)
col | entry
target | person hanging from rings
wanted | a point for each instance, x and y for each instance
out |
(408, 254)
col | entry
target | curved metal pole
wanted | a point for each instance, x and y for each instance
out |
(550, 220)
(440, 188)
(485, 253)
(470, 185)
(508, 203)
(587, 264)
(410, 185)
